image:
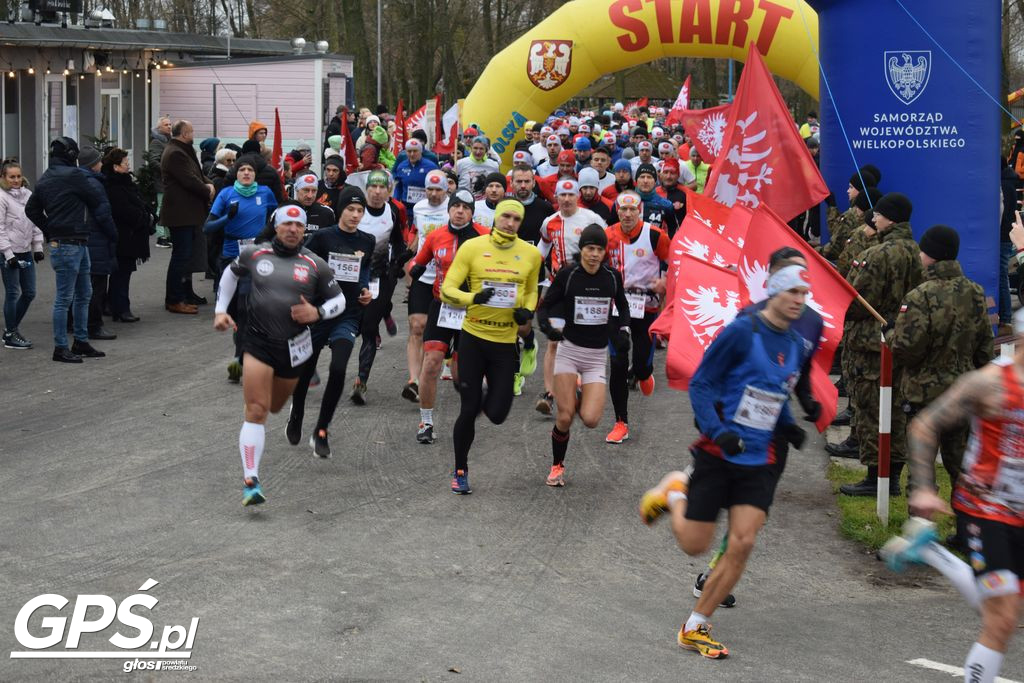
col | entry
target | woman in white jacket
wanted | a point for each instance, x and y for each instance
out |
(21, 244)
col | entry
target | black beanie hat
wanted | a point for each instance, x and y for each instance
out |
(941, 242)
(869, 179)
(350, 194)
(873, 170)
(646, 168)
(593, 234)
(250, 146)
(869, 198)
(895, 206)
(496, 177)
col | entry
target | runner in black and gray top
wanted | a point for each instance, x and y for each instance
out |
(291, 289)
(593, 302)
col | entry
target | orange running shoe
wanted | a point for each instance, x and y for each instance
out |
(619, 433)
(700, 640)
(557, 475)
(647, 386)
(655, 501)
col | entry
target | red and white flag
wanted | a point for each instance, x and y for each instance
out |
(398, 139)
(348, 145)
(448, 125)
(277, 151)
(414, 121)
(705, 300)
(830, 295)
(681, 104)
(763, 158)
(705, 129)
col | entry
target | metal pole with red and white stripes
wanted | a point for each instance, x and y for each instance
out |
(884, 432)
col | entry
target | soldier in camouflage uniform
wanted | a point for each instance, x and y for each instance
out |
(885, 274)
(942, 332)
(841, 227)
(864, 236)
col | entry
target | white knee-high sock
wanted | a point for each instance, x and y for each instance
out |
(250, 445)
(954, 569)
(982, 664)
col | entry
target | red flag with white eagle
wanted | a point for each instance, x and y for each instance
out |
(449, 125)
(277, 152)
(414, 121)
(348, 146)
(681, 104)
(763, 159)
(398, 139)
(705, 128)
(705, 300)
(830, 294)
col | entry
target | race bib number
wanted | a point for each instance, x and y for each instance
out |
(1009, 485)
(246, 242)
(591, 310)
(375, 288)
(344, 266)
(759, 409)
(636, 304)
(413, 194)
(300, 348)
(451, 317)
(504, 294)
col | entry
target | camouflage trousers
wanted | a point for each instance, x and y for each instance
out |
(952, 443)
(861, 372)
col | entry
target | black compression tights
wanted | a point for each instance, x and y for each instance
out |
(480, 359)
(643, 365)
(341, 351)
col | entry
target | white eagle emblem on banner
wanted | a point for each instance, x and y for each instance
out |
(908, 78)
(741, 164)
(712, 129)
(549, 63)
(707, 312)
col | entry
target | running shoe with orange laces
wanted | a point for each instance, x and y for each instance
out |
(619, 433)
(647, 386)
(557, 475)
(700, 640)
(655, 501)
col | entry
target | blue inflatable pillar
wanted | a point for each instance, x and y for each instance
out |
(909, 110)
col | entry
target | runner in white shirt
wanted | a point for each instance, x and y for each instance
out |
(495, 186)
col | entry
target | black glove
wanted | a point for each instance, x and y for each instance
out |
(729, 442)
(522, 315)
(38, 256)
(396, 270)
(551, 333)
(483, 296)
(793, 434)
(812, 409)
(13, 263)
(417, 271)
(621, 340)
(232, 210)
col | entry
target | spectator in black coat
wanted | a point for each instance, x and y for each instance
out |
(102, 245)
(134, 223)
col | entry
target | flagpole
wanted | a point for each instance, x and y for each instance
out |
(872, 311)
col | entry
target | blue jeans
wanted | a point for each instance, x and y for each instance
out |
(20, 288)
(71, 264)
(1006, 252)
(177, 269)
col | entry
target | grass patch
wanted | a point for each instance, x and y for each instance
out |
(859, 522)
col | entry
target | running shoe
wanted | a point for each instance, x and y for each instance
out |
(545, 404)
(517, 384)
(446, 371)
(655, 501)
(619, 433)
(321, 446)
(899, 551)
(557, 476)
(379, 342)
(234, 370)
(411, 391)
(390, 326)
(460, 482)
(528, 361)
(647, 386)
(163, 243)
(252, 492)
(14, 340)
(425, 433)
(698, 590)
(358, 395)
(294, 429)
(700, 640)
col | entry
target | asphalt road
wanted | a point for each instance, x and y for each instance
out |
(365, 566)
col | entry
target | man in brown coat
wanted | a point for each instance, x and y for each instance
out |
(187, 197)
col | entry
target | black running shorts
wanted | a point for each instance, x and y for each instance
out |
(420, 296)
(437, 338)
(717, 484)
(273, 353)
(994, 546)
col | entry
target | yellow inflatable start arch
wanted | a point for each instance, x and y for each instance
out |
(586, 39)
